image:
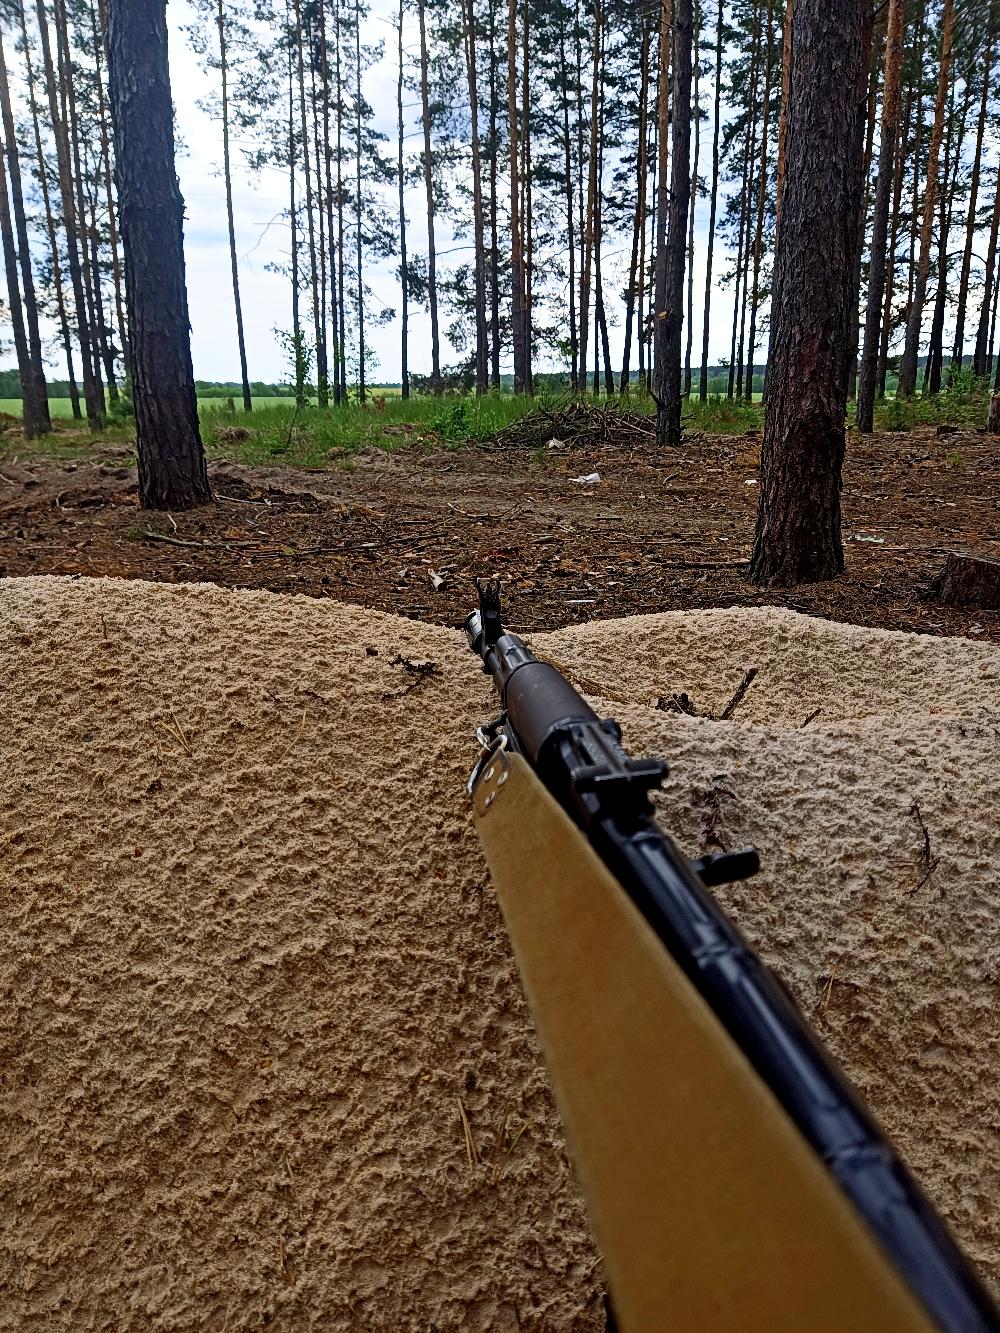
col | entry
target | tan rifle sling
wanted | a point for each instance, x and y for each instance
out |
(711, 1211)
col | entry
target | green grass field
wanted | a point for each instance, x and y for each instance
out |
(63, 408)
(310, 437)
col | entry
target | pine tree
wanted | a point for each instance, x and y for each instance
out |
(908, 362)
(798, 536)
(35, 414)
(891, 88)
(670, 314)
(172, 470)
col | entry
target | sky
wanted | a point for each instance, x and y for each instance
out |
(263, 239)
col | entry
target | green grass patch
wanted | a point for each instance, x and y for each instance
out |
(314, 437)
(722, 416)
(964, 401)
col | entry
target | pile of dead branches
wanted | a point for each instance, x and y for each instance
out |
(574, 424)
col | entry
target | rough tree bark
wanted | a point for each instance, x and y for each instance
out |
(798, 536)
(172, 471)
(671, 313)
(969, 579)
(891, 86)
(786, 79)
(908, 361)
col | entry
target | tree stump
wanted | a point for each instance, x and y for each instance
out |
(993, 420)
(970, 580)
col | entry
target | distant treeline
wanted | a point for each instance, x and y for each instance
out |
(457, 381)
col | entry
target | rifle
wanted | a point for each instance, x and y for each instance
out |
(734, 1178)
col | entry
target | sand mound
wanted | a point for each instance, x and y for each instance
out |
(254, 975)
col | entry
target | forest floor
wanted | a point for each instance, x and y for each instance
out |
(406, 529)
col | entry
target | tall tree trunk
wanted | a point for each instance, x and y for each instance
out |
(358, 230)
(671, 313)
(600, 315)
(99, 36)
(104, 346)
(852, 354)
(786, 79)
(911, 266)
(660, 345)
(494, 202)
(518, 289)
(890, 273)
(482, 371)
(298, 351)
(582, 193)
(586, 266)
(958, 350)
(526, 188)
(570, 241)
(227, 174)
(713, 208)
(758, 242)
(338, 381)
(172, 471)
(993, 326)
(798, 536)
(891, 86)
(639, 220)
(429, 190)
(404, 280)
(34, 400)
(743, 276)
(908, 362)
(949, 182)
(641, 298)
(319, 342)
(31, 420)
(696, 112)
(981, 358)
(319, 148)
(50, 224)
(92, 397)
(67, 90)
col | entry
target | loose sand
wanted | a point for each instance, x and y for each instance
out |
(253, 974)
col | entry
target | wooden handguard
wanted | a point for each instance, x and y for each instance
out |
(711, 1211)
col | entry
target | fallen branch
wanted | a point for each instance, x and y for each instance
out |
(741, 689)
(150, 536)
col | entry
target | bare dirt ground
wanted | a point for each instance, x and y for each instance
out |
(406, 531)
(264, 1058)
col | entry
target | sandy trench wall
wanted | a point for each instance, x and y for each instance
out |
(253, 973)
